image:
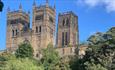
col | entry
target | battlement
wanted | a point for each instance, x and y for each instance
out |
(15, 17)
(68, 13)
(18, 12)
(44, 6)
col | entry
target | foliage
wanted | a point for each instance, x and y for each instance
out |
(77, 64)
(24, 50)
(52, 61)
(92, 66)
(102, 51)
(21, 64)
(13, 63)
(100, 54)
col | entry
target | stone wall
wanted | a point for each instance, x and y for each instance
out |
(66, 51)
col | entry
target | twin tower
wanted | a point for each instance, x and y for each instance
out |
(43, 31)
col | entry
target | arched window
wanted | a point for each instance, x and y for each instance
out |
(63, 51)
(66, 40)
(36, 29)
(16, 32)
(39, 28)
(67, 22)
(63, 22)
(12, 33)
(62, 39)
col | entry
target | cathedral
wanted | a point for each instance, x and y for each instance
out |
(43, 30)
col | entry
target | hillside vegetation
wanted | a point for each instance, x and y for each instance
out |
(100, 55)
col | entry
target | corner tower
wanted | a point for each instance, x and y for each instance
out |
(43, 25)
(68, 34)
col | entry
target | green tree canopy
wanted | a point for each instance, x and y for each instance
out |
(52, 61)
(24, 50)
(21, 64)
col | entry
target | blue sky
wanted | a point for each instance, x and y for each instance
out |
(93, 15)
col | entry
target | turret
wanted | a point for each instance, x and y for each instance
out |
(20, 7)
(34, 4)
(8, 9)
(47, 3)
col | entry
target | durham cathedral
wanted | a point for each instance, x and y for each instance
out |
(43, 30)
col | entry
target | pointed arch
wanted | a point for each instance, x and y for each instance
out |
(36, 29)
(67, 22)
(16, 32)
(39, 28)
(12, 33)
(63, 22)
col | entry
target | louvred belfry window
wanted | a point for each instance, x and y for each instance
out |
(62, 38)
(36, 29)
(63, 22)
(12, 33)
(39, 28)
(16, 32)
(66, 36)
(67, 22)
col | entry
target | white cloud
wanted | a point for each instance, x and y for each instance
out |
(109, 5)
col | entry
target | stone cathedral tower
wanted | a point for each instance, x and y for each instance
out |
(42, 32)
(43, 25)
(17, 24)
(68, 33)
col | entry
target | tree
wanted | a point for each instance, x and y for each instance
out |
(24, 50)
(102, 50)
(52, 61)
(21, 64)
(92, 66)
(100, 54)
(4, 57)
(1, 5)
(96, 38)
(77, 64)
(50, 57)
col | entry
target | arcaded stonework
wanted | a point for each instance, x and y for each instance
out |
(43, 29)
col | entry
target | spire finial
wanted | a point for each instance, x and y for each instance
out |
(54, 4)
(34, 3)
(20, 7)
(47, 2)
(8, 9)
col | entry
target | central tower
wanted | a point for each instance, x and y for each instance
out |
(43, 25)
